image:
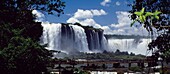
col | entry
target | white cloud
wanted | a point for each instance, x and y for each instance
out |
(117, 3)
(85, 17)
(107, 30)
(123, 19)
(90, 22)
(72, 20)
(123, 25)
(98, 12)
(104, 3)
(40, 17)
(84, 14)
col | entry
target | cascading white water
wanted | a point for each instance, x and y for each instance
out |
(71, 38)
(137, 46)
(51, 35)
(104, 43)
(96, 40)
(80, 39)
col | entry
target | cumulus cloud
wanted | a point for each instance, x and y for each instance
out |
(107, 30)
(72, 20)
(85, 17)
(83, 14)
(90, 22)
(105, 2)
(123, 19)
(117, 3)
(40, 17)
(123, 25)
(98, 12)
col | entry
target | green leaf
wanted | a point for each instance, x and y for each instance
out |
(148, 14)
(157, 12)
(141, 19)
(144, 18)
(138, 13)
(157, 17)
(142, 11)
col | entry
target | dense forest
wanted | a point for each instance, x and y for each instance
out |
(20, 50)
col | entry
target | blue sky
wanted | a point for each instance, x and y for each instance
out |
(110, 15)
(110, 7)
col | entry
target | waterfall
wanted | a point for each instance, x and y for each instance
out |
(51, 35)
(72, 38)
(138, 46)
(80, 39)
(96, 40)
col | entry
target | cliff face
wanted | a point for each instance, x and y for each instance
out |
(73, 38)
(95, 38)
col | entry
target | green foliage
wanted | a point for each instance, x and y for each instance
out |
(23, 55)
(157, 15)
(159, 10)
(108, 56)
(20, 51)
(142, 15)
(167, 53)
(50, 6)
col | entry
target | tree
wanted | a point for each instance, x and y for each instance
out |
(18, 13)
(152, 6)
(20, 51)
(160, 23)
(23, 55)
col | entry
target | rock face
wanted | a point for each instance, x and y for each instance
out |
(73, 38)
